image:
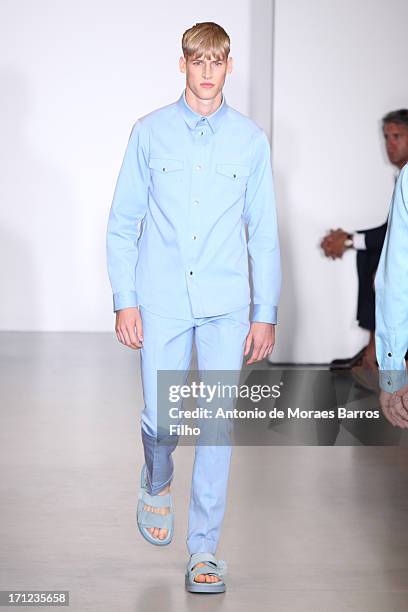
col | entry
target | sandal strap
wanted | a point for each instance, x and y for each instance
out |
(154, 519)
(207, 570)
(218, 568)
(204, 570)
(157, 501)
(200, 557)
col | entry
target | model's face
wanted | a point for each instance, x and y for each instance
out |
(200, 71)
(396, 143)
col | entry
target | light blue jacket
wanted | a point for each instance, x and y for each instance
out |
(391, 290)
(192, 183)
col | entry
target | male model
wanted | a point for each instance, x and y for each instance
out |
(391, 287)
(195, 172)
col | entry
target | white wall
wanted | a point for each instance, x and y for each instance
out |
(339, 66)
(74, 78)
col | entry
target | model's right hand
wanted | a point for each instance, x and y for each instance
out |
(128, 327)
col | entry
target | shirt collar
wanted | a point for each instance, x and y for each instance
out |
(192, 118)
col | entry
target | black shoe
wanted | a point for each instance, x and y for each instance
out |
(347, 364)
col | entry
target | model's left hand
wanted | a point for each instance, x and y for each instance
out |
(263, 337)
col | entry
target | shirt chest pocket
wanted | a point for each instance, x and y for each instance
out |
(232, 179)
(236, 172)
(165, 164)
(167, 174)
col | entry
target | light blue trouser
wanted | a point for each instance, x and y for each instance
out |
(168, 345)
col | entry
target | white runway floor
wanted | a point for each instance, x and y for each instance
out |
(319, 529)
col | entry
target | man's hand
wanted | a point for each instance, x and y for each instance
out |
(402, 395)
(263, 337)
(393, 407)
(129, 329)
(333, 243)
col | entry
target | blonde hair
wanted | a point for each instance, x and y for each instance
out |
(207, 38)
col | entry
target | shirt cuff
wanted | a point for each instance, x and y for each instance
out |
(264, 313)
(359, 242)
(124, 299)
(393, 380)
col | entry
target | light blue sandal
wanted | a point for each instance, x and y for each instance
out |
(212, 567)
(146, 518)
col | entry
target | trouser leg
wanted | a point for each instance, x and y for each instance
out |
(220, 343)
(367, 262)
(167, 345)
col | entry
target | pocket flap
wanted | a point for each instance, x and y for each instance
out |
(233, 170)
(165, 164)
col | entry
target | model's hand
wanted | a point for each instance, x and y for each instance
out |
(393, 409)
(385, 399)
(263, 337)
(333, 243)
(129, 329)
(401, 395)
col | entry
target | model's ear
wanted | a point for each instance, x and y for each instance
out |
(230, 64)
(182, 64)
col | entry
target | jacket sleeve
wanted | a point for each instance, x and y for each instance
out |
(374, 238)
(263, 241)
(391, 287)
(127, 210)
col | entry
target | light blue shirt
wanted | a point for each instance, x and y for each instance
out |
(391, 290)
(192, 182)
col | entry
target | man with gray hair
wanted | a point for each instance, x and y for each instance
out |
(368, 245)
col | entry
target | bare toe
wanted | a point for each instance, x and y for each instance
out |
(163, 534)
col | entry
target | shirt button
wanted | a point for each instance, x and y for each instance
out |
(191, 272)
(194, 236)
(198, 167)
(389, 354)
(195, 202)
(388, 381)
(202, 118)
(164, 169)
